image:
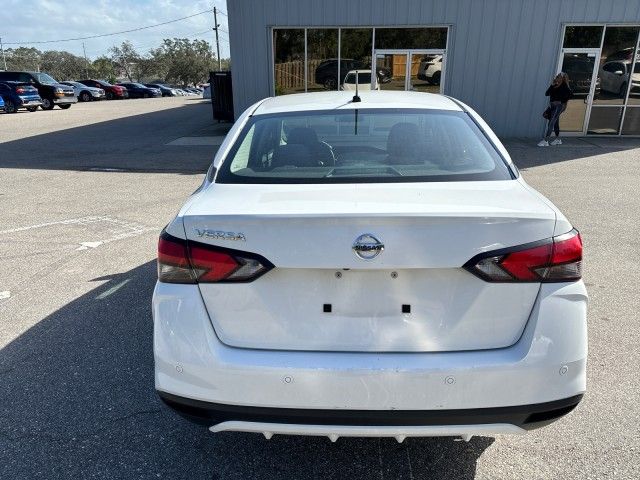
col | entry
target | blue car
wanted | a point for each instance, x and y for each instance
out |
(18, 95)
(1, 104)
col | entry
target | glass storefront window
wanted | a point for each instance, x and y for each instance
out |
(355, 50)
(598, 107)
(580, 36)
(322, 59)
(631, 124)
(616, 63)
(604, 120)
(411, 38)
(316, 59)
(634, 92)
(288, 55)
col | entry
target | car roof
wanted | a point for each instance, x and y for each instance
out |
(15, 83)
(302, 102)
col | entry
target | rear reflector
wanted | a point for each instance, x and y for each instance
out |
(557, 259)
(182, 261)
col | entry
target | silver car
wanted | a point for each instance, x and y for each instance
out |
(85, 93)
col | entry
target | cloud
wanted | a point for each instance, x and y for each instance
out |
(58, 19)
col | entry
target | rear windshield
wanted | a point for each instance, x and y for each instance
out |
(357, 146)
(363, 78)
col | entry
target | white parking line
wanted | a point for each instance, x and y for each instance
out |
(197, 141)
(72, 221)
(115, 229)
(113, 289)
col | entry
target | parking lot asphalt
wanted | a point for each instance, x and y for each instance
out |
(84, 193)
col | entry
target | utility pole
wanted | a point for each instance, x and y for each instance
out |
(86, 62)
(215, 21)
(4, 59)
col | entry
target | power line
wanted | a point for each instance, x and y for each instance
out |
(147, 45)
(110, 34)
(96, 53)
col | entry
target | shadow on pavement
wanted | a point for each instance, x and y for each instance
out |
(526, 154)
(134, 143)
(77, 401)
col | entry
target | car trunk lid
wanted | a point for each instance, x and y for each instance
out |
(413, 296)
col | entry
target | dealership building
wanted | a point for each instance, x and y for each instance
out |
(498, 56)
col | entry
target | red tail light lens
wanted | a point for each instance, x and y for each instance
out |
(557, 259)
(19, 90)
(181, 261)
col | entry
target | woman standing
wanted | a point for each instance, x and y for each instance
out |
(559, 94)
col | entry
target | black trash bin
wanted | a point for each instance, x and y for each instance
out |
(221, 95)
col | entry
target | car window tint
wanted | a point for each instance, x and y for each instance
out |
(366, 145)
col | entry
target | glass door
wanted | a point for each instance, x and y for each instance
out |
(392, 70)
(426, 71)
(417, 70)
(581, 67)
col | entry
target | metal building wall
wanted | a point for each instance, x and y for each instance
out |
(501, 57)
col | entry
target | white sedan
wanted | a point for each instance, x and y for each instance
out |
(374, 268)
(362, 78)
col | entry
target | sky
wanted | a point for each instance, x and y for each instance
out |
(38, 20)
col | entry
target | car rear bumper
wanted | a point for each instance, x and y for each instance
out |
(547, 364)
(241, 418)
(30, 102)
(65, 100)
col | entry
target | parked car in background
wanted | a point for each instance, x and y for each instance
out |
(84, 92)
(614, 77)
(137, 90)
(327, 72)
(363, 78)
(17, 95)
(164, 89)
(430, 69)
(50, 90)
(112, 92)
(1, 104)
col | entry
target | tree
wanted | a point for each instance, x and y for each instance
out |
(145, 69)
(184, 61)
(104, 68)
(23, 58)
(63, 65)
(125, 57)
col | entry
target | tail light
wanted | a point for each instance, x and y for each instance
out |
(182, 261)
(557, 259)
(20, 90)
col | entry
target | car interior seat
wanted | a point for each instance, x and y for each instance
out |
(308, 137)
(293, 155)
(403, 144)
